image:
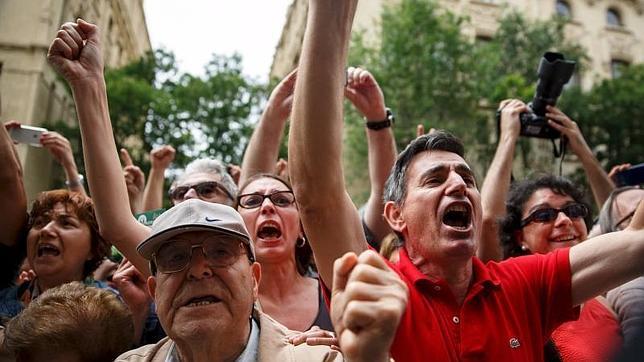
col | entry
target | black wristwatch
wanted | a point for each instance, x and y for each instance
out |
(385, 123)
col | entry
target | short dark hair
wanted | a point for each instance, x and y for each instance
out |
(304, 253)
(520, 193)
(83, 207)
(395, 188)
(90, 322)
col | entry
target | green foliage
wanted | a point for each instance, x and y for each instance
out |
(432, 74)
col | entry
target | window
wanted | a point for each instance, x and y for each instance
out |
(613, 18)
(563, 9)
(617, 67)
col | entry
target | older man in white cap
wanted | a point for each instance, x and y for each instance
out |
(204, 282)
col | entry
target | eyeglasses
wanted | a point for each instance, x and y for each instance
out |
(278, 198)
(175, 256)
(624, 222)
(549, 214)
(206, 189)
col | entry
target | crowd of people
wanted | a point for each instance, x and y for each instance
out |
(273, 261)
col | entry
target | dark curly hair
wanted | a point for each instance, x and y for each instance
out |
(519, 194)
(303, 254)
(83, 207)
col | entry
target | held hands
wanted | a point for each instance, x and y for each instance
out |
(76, 53)
(162, 157)
(510, 111)
(365, 94)
(368, 301)
(280, 102)
(562, 123)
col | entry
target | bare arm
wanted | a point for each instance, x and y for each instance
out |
(264, 145)
(366, 95)
(60, 148)
(495, 188)
(161, 158)
(599, 181)
(606, 261)
(12, 192)
(134, 182)
(82, 66)
(330, 220)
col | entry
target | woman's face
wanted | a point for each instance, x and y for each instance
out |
(275, 229)
(624, 207)
(58, 245)
(563, 231)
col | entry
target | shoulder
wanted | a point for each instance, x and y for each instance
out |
(150, 352)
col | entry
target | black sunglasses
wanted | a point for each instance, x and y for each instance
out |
(278, 198)
(206, 189)
(549, 214)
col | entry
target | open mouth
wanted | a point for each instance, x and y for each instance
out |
(564, 239)
(203, 300)
(269, 231)
(47, 249)
(458, 216)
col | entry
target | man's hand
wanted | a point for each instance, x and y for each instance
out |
(75, 53)
(562, 123)
(134, 180)
(617, 169)
(365, 94)
(131, 285)
(368, 300)
(59, 147)
(280, 102)
(510, 111)
(162, 157)
(420, 130)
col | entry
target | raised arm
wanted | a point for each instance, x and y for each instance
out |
(60, 148)
(12, 193)
(263, 148)
(366, 95)
(76, 54)
(601, 263)
(497, 181)
(330, 220)
(134, 181)
(599, 181)
(160, 158)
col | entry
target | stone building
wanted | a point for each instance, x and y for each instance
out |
(30, 90)
(612, 31)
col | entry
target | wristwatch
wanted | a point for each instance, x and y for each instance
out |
(385, 123)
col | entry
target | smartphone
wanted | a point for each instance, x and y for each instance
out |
(27, 134)
(632, 176)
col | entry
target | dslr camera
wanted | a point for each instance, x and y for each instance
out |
(554, 72)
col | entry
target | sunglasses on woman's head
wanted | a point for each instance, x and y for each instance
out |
(549, 214)
(206, 189)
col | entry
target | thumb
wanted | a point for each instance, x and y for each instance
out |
(342, 267)
(125, 157)
(90, 30)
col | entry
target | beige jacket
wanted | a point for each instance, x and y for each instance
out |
(272, 347)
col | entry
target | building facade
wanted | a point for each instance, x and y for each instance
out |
(30, 90)
(611, 31)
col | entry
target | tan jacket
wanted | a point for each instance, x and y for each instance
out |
(272, 347)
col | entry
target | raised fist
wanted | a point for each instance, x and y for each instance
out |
(76, 53)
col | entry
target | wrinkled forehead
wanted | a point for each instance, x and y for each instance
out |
(195, 178)
(264, 185)
(436, 161)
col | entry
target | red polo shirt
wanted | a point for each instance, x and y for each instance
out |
(510, 310)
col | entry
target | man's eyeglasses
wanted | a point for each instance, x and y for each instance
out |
(549, 214)
(278, 198)
(624, 222)
(175, 256)
(206, 189)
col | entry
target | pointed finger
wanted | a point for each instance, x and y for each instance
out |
(125, 157)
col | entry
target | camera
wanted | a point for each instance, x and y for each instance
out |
(554, 72)
(632, 176)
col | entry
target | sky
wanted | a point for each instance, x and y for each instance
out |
(195, 29)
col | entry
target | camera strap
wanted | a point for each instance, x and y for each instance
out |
(560, 152)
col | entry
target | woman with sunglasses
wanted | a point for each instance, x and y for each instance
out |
(289, 291)
(549, 213)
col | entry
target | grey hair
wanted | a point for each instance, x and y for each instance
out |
(395, 188)
(606, 218)
(214, 167)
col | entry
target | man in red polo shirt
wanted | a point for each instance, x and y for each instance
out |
(458, 308)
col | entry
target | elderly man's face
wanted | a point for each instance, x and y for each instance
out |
(202, 300)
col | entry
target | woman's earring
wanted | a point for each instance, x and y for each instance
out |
(300, 242)
(524, 248)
